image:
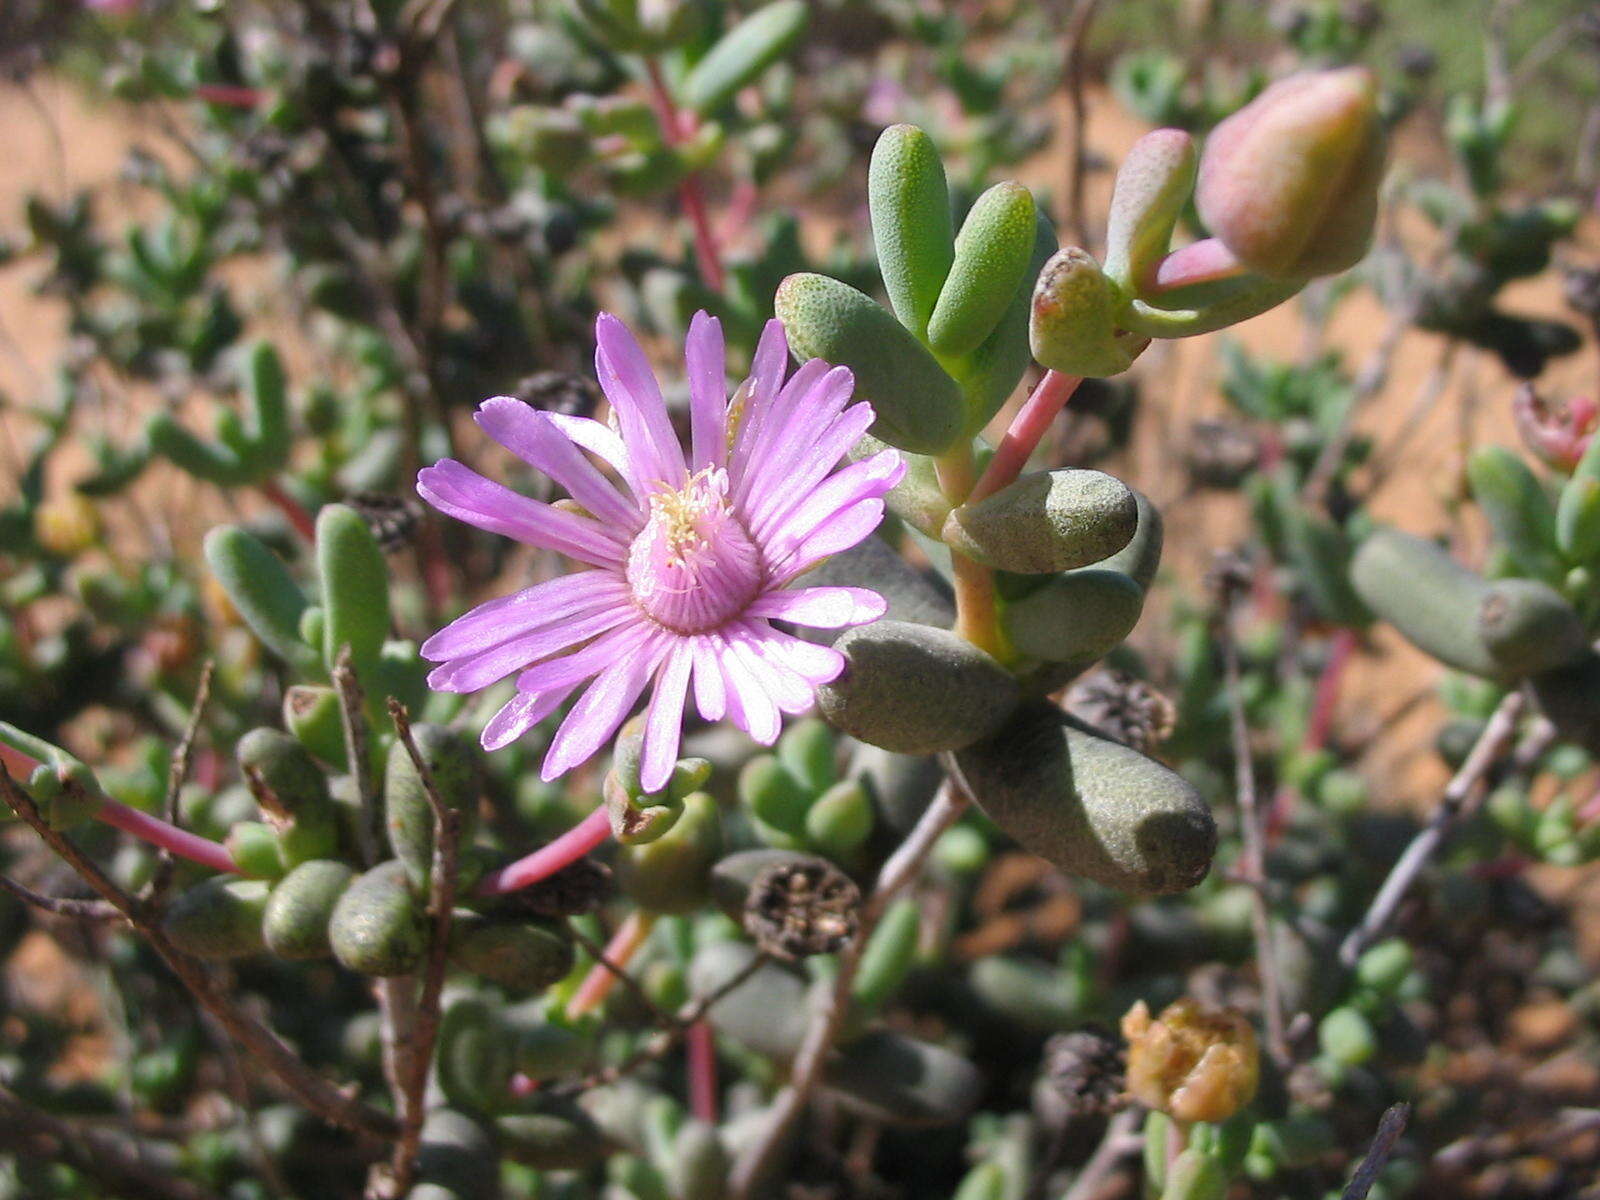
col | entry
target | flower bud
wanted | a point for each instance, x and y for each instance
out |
(1190, 1063)
(1289, 183)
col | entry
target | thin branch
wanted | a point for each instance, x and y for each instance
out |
(948, 804)
(369, 826)
(112, 1160)
(441, 905)
(61, 906)
(312, 1090)
(177, 774)
(1491, 744)
(1390, 1127)
(1253, 864)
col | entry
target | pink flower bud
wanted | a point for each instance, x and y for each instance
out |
(1289, 183)
(1558, 434)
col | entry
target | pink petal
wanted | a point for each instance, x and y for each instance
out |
(480, 670)
(600, 440)
(706, 358)
(788, 691)
(710, 692)
(797, 430)
(821, 607)
(813, 663)
(630, 385)
(664, 724)
(520, 714)
(795, 516)
(505, 617)
(751, 708)
(534, 438)
(759, 417)
(593, 658)
(462, 493)
(840, 533)
(595, 717)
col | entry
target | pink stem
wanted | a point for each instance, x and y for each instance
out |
(702, 1052)
(229, 95)
(17, 764)
(1205, 261)
(1026, 431)
(602, 977)
(548, 859)
(1320, 724)
(169, 837)
(291, 508)
(675, 129)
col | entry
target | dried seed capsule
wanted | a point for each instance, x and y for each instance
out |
(898, 1080)
(378, 927)
(1090, 805)
(915, 689)
(1046, 521)
(799, 906)
(218, 918)
(520, 956)
(733, 875)
(301, 905)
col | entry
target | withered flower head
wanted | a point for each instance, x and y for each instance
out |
(1191, 1063)
(1086, 1069)
(796, 909)
(1124, 707)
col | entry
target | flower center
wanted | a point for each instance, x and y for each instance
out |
(693, 565)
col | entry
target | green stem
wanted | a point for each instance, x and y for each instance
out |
(976, 618)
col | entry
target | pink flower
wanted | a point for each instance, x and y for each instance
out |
(689, 560)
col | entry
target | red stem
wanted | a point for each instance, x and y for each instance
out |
(1026, 431)
(1320, 724)
(291, 508)
(702, 1052)
(676, 128)
(17, 764)
(548, 859)
(169, 837)
(630, 936)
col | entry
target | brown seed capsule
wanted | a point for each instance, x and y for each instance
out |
(802, 907)
(1087, 1071)
(1123, 707)
(1191, 1063)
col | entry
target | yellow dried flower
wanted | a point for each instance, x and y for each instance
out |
(67, 525)
(1191, 1063)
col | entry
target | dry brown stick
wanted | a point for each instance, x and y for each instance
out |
(318, 1094)
(1390, 1126)
(948, 804)
(177, 773)
(46, 1138)
(1082, 13)
(441, 906)
(369, 827)
(1253, 864)
(61, 906)
(1491, 744)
